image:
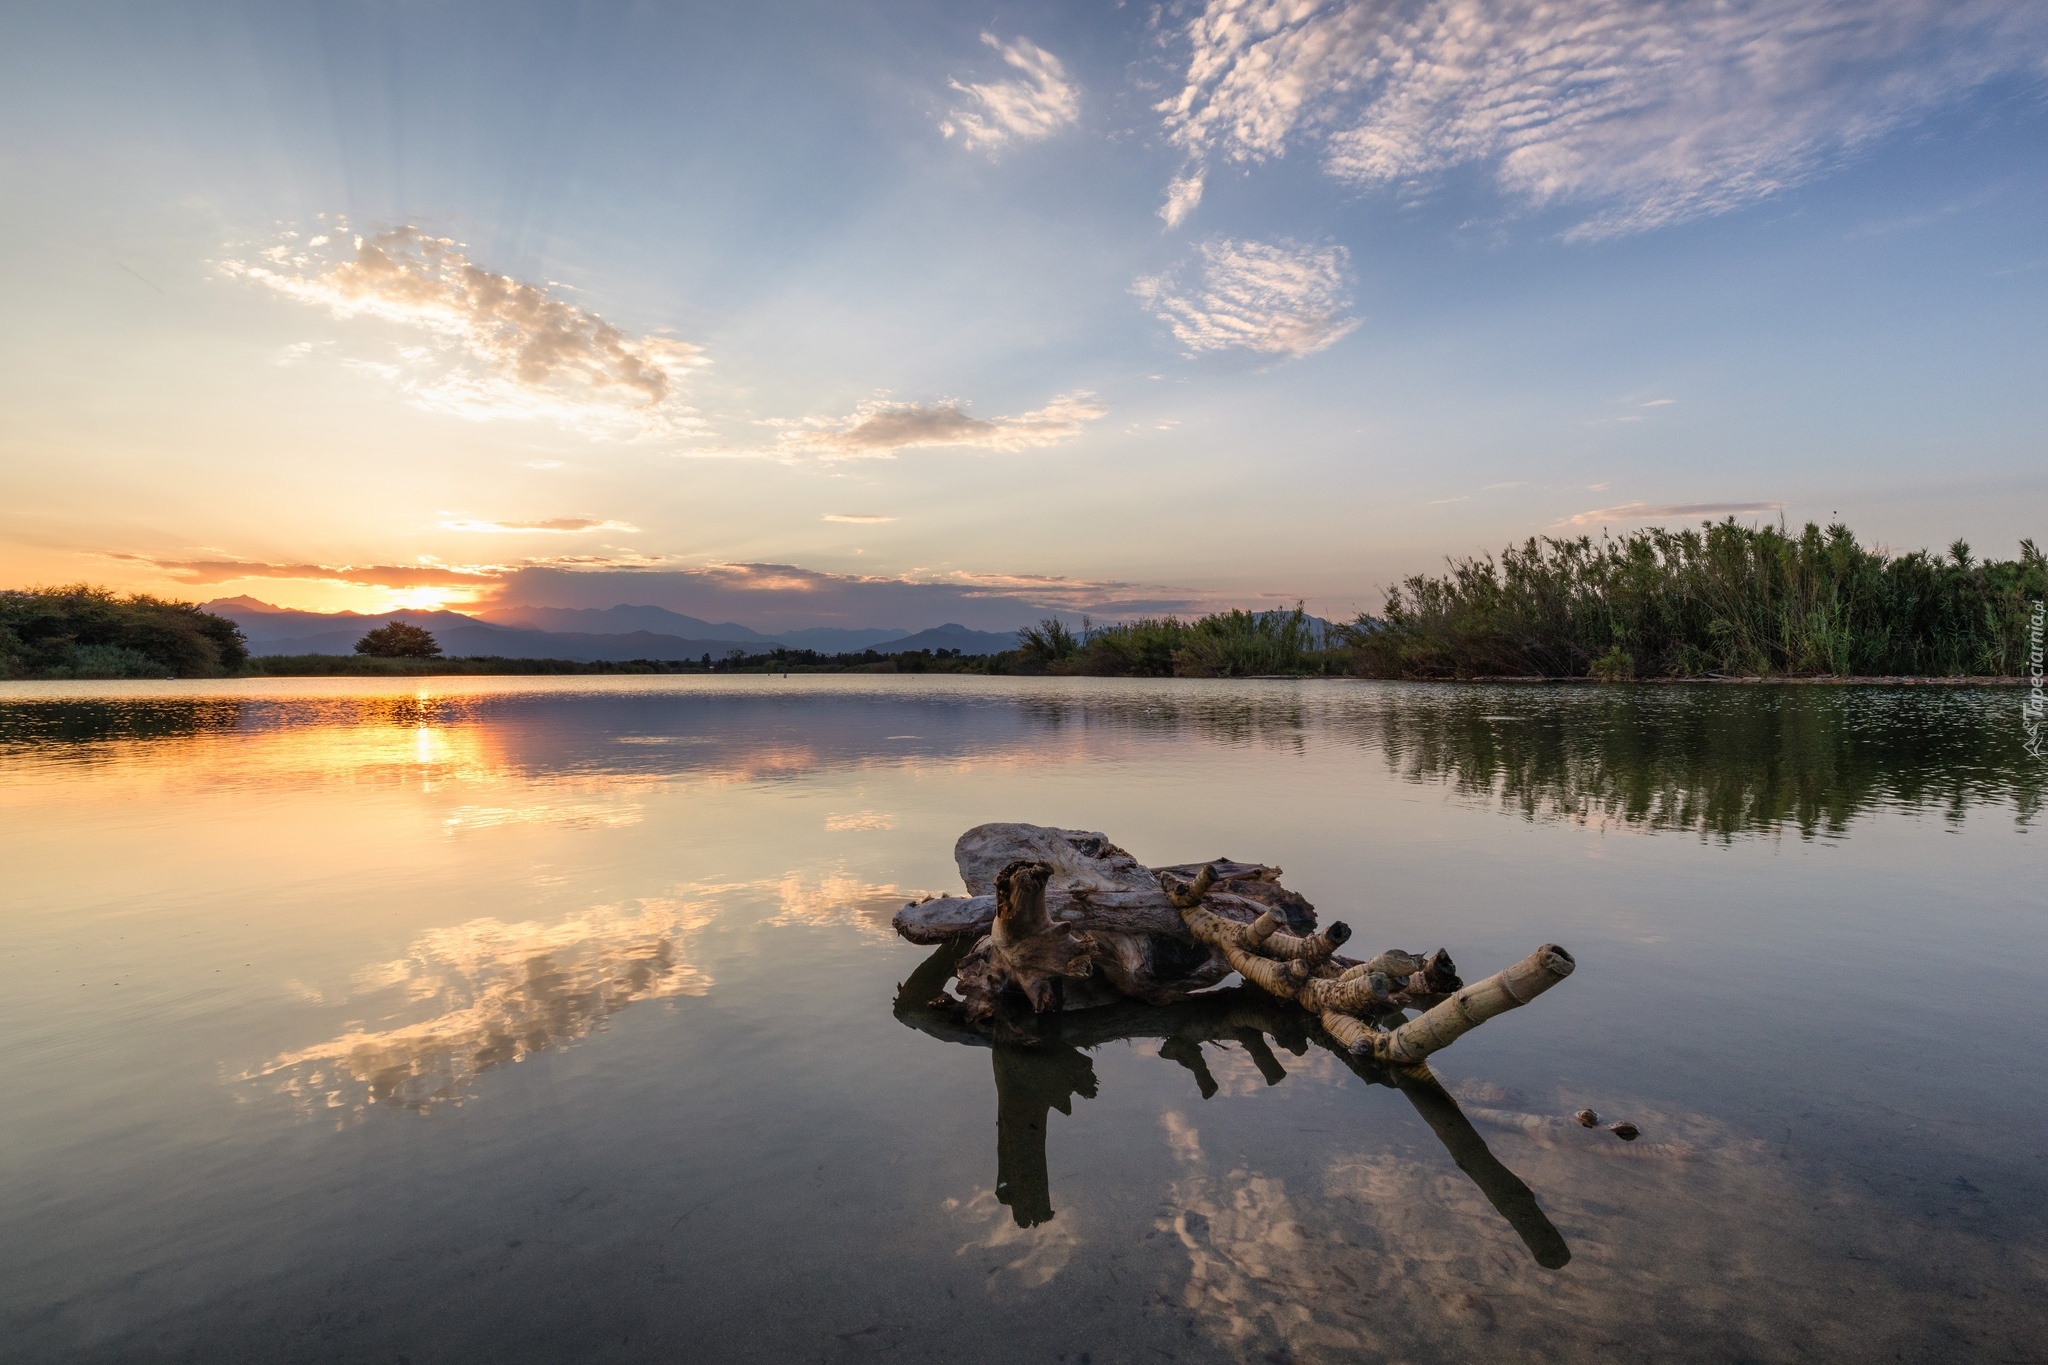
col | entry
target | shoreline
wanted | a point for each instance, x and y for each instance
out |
(557, 667)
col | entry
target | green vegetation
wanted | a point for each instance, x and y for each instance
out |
(1723, 599)
(1230, 644)
(397, 640)
(87, 632)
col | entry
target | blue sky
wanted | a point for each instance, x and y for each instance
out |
(921, 297)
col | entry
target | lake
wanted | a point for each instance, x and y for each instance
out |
(533, 1020)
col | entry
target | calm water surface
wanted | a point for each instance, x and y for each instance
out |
(513, 1020)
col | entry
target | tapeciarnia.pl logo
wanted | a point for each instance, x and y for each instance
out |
(2031, 710)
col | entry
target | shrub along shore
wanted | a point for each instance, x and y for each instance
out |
(1723, 602)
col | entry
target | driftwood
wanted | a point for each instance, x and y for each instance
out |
(1040, 1064)
(1064, 918)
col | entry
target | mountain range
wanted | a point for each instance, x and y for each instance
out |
(587, 634)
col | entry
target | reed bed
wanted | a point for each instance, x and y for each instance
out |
(1719, 599)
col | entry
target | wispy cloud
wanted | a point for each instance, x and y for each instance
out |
(209, 571)
(878, 429)
(1036, 105)
(497, 346)
(1275, 298)
(1649, 113)
(857, 518)
(1669, 511)
(1183, 193)
(546, 526)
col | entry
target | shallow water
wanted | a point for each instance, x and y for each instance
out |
(509, 1019)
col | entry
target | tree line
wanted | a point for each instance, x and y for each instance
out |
(1655, 603)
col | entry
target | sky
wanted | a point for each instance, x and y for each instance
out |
(896, 314)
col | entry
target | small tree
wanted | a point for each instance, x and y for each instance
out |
(1048, 642)
(399, 641)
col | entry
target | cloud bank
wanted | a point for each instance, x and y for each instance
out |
(1668, 511)
(1037, 105)
(787, 597)
(878, 429)
(1648, 113)
(497, 347)
(763, 596)
(1280, 298)
(204, 572)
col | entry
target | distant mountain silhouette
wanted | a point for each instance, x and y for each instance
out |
(662, 621)
(953, 637)
(538, 633)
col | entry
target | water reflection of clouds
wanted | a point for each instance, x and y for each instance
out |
(572, 814)
(836, 899)
(497, 992)
(1723, 761)
(1702, 1244)
(859, 821)
(1016, 1257)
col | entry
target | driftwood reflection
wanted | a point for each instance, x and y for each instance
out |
(1041, 1064)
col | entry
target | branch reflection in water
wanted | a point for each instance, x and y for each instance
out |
(1040, 1066)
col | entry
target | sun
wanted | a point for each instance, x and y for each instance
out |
(428, 599)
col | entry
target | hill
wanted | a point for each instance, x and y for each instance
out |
(584, 635)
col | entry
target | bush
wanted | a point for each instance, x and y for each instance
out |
(1049, 642)
(1238, 644)
(88, 632)
(397, 640)
(1722, 598)
(1231, 644)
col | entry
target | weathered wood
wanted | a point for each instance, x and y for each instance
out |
(1094, 886)
(1051, 907)
(1042, 1065)
(1472, 1006)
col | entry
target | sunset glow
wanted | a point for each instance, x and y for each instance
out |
(1222, 306)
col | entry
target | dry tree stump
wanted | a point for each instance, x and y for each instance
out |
(1060, 918)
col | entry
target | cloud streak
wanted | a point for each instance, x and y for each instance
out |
(1281, 299)
(857, 518)
(881, 428)
(200, 572)
(1647, 113)
(1035, 106)
(547, 526)
(1667, 511)
(497, 347)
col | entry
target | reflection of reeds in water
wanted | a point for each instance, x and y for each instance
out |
(1717, 761)
(499, 991)
(1706, 1251)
